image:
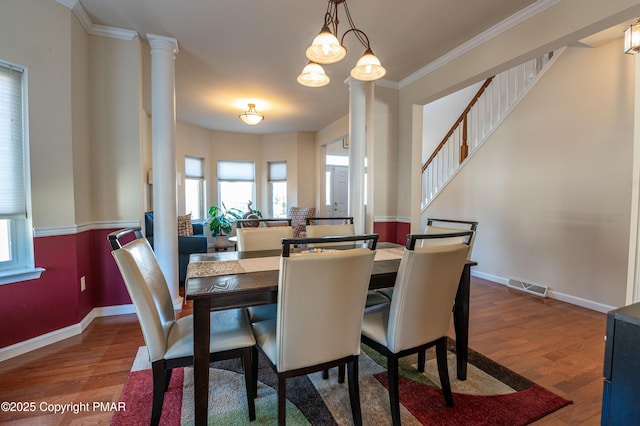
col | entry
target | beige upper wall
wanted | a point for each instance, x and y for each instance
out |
(36, 35)
(562, 24)
(117, 174)
(551, 189)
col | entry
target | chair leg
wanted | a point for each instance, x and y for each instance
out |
(341, 373)
(247, 364)
(167, 379)
(443, 370)
(354, 391)
(394, 388)
(282, 400)
(159, 378)
(422, 357)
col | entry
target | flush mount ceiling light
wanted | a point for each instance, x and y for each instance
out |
(326, 49)
(251, 116)
(632, 38)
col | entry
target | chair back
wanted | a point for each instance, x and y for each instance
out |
(148, 290)
(316, 231)
(321, 299)
(424, 293)
(260, 222)
(434, 227)
(256, 239)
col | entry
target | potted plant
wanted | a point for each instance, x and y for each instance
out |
(221, 222)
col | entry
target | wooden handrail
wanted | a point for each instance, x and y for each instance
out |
(461, 119)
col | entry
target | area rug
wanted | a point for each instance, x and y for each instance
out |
(491, 395)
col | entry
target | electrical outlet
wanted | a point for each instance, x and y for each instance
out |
(83, 283)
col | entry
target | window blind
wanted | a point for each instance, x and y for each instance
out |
(278, 171)
(12, 172)
(236, 171)
(193, 167)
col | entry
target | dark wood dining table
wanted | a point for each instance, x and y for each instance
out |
(237, 290)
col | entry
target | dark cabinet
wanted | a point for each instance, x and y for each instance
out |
(621, 396)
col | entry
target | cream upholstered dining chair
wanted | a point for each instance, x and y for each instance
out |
(315, 229)
(419, 313)
(170, 340)
(257, 239)
(434, 226)
(321, 300)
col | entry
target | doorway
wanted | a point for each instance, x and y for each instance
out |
(337, 191)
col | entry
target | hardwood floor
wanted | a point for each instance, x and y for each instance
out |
(557, 345)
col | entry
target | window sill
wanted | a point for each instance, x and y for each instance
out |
(23, 274)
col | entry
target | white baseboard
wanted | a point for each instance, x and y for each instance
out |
(63, 333)
(574, 300)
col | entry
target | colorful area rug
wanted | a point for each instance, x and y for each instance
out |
(491, 395)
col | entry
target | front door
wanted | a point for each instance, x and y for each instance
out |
(337, 191)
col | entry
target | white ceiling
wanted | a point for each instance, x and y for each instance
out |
(232, 52)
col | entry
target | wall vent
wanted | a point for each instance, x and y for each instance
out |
(538, 290)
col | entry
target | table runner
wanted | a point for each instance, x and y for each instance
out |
(257, 264)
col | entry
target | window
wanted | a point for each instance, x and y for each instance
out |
(236, 183)
(194, 187)
(278, 188)
(16, 240)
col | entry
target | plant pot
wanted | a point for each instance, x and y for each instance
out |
(221, 242)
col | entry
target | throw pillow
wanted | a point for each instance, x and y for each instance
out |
(184, 225)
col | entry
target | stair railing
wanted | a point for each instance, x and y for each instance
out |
(495, 98)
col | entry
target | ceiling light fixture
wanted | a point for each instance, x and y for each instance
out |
(632, 38)
(251, 116)
(326, 49)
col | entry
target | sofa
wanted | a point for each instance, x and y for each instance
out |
(187, 244)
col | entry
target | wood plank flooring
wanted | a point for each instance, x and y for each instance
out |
(557, 345)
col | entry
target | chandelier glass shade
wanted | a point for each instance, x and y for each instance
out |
(327, 49)
(313, 75)
(368, 68)
(251, 116)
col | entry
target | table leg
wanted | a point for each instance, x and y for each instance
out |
(201, 334)
(461, 322)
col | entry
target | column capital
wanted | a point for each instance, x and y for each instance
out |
(353, 82)
(163, 43)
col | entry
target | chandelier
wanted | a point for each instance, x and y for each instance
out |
(251, 116)
(326, 49)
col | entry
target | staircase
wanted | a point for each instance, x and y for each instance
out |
(497, 97)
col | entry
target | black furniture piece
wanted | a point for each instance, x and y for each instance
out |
(621, 395)
(187, 244)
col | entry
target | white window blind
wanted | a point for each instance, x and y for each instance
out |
(12, 173)
(278, 171)
(193, 167)
(236, 171)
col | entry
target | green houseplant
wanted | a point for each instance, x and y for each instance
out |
(221, 219)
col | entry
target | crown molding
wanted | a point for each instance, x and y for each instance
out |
(515, 19)
(93, 29)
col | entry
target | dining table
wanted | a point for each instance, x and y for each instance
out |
(226, 280)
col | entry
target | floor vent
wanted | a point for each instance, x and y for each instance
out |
(538, 290)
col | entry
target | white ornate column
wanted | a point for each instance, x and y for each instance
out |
(357, 151)
(163, 137)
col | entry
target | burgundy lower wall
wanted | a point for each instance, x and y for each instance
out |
(54, 301)
(393, 232)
